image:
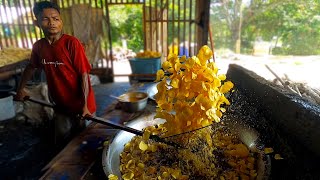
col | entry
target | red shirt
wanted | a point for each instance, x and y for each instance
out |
(64, 62)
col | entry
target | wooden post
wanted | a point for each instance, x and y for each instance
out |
(202, 21)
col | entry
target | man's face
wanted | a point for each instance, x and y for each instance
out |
(50, 21)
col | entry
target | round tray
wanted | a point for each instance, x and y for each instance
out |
(111, 153)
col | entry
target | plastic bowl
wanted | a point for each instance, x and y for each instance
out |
(133, 101)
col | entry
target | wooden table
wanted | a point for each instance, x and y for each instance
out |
(82, 156)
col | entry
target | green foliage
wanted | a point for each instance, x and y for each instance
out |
(301, 33)
(295, 23)
(220, 29)
(126, 22)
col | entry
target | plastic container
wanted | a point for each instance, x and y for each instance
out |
(145, 65)
(7, 109)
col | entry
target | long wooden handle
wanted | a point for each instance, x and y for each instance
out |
(129, 129)
(114, 125)
(95, 119)
(38, 101)
(103, 121)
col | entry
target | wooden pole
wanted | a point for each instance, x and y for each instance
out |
(202, 21)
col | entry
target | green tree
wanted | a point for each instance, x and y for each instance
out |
(295, 23)
(126, 23)
(229, 13)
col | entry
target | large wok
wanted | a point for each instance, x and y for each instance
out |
(111, 153)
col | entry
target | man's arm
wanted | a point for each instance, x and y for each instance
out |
(85, 90)
(27, 74)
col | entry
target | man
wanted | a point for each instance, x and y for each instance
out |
(63, 59)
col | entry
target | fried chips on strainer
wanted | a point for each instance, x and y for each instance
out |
(194, 95)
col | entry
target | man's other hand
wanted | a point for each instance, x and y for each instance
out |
(21, 95)
(85, 111)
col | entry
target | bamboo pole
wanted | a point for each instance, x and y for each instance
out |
(280, 80)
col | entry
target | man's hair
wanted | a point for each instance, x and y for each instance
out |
(39, 6)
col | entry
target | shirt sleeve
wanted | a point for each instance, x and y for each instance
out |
(79, 58)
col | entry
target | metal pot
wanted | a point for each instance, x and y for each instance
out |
(7, 110)
(133, 101)
(111, 153)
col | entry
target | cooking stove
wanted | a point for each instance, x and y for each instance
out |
(285, 122)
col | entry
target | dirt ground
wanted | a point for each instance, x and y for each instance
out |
(25, 149)
(303, 69)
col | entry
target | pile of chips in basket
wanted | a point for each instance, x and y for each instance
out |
(148, 54)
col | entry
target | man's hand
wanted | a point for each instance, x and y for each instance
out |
(85, 111)
(27, 74)
(20, 96)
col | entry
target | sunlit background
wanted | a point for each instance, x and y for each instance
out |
(284, 35)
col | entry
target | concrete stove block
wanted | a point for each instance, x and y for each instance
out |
(287, 122)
